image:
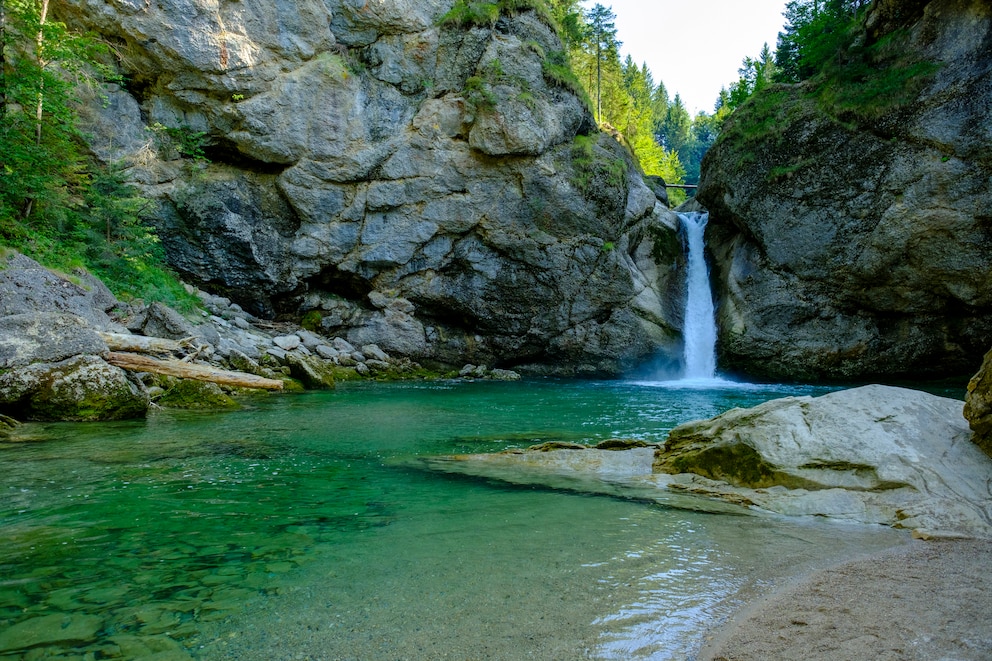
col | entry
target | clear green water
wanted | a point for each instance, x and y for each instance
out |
(299, 528)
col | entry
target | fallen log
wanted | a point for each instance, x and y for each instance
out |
(143, 344)
(137, 363)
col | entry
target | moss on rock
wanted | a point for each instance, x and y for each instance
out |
(190, 394)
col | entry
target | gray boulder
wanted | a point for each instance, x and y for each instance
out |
(81, 388)
(875, 454)
(45, 337)
(28, 287)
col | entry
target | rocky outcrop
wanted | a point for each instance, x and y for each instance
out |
(851, 233)
(58, 366)
(424, 185)
(978, 405)
(874, 454)
(49, 347)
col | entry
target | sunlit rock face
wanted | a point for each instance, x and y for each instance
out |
(857, 242)
(978, 405)
(426, 186)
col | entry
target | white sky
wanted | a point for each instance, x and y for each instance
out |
(695, 47)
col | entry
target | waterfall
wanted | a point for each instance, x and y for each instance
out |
(699, 326)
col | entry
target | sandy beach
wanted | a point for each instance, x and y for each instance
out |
(926, 601)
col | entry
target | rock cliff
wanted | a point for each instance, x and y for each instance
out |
(431, 186)
(850, 218)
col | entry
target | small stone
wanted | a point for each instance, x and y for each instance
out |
(326, 352)
(374, 352)
(377, 365)
(363, 369)
(241, 323)
(342, 345)
(358, 356)
(467, 370)
(504, 375)
(287, 342)
(310, 339)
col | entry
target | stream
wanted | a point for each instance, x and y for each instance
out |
(304, 527)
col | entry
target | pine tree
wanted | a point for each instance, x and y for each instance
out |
(603, 43)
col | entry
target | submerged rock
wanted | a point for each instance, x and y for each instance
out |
(55, 629)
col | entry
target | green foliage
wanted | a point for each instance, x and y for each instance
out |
(478, 94)
(590, 169)
(870, 81)
(557, 70)
(179, 142)
(468, 13)
(311, 321)
(815, 32)
(56, 205)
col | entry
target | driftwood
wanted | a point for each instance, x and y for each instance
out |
(137, 363)
(143, 344)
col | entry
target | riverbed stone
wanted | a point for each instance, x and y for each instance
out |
(54, 629)
(194, 395)
(313, 372)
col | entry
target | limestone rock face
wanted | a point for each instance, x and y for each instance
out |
(368, 151)
(28, 287)
(978, 405)
(853, 242)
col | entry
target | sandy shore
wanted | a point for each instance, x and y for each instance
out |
(927, 601)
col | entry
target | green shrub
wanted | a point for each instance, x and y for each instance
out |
(311, 321)
(478, 94)
(466, 14)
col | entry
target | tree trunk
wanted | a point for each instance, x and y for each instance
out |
(141, 343)
(136, 363)
(40, 111)
(3, 58)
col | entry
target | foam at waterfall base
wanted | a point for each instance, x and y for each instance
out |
(714, 383)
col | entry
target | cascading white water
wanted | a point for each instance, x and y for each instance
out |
(699, 327)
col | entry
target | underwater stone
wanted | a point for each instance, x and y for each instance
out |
(54, 629)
